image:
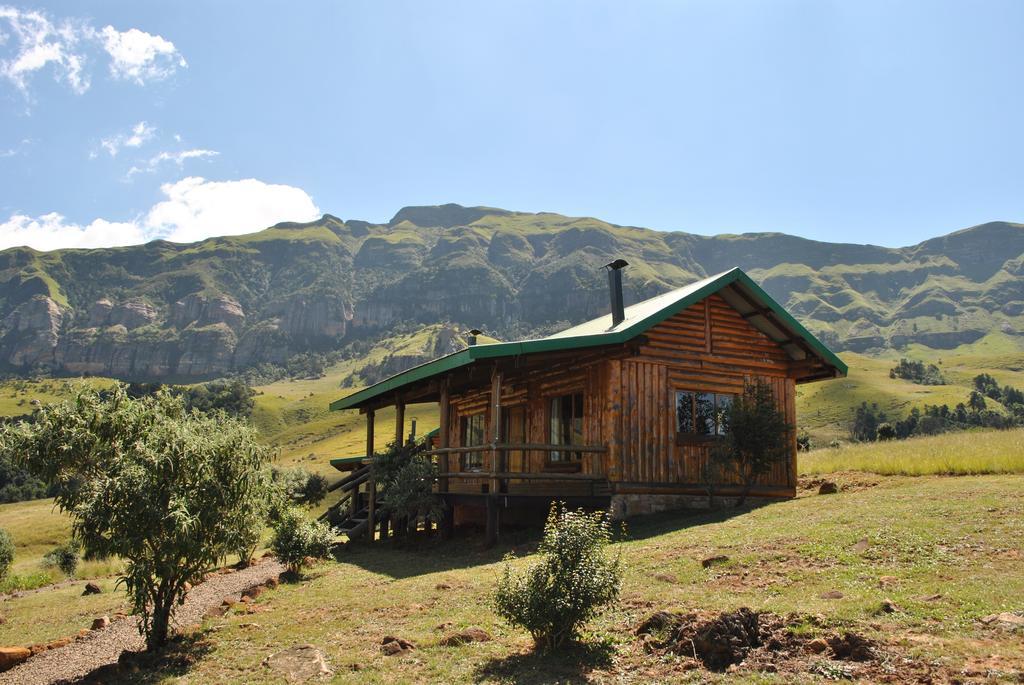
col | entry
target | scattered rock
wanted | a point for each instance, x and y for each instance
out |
(253, 592)
(100, 623)
(828, 488)
(851, 647)
(1007, 618)
(91, 589)
(186, 587)
(889, 606)
(887, 581)
(216, 612)
(37, 649)
(249, 625)
(861, 545)
(931, 598)
(666, 578)
(57, 644)
(442, 586)
(272, 583)
(711, 561)
(831, 594)
(718, 643)
(817, 646)
(392, 646)
(443, 626)
(462, 637)
(299, 663)
(12, 656)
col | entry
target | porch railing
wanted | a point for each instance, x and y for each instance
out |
(498, 476)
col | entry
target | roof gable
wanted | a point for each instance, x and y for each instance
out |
(746, 296)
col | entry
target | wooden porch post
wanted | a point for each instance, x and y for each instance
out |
(494, 488)
(371, 484)
(399, 422)
(447, 517)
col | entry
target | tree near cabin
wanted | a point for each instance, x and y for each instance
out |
(168, 490)
(758, 437)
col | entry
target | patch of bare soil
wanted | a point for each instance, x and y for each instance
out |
(844, 481)
(746, 640)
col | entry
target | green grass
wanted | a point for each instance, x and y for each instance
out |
(946, 536)
(972, 452)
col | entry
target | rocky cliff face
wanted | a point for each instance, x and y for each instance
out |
(183, 312)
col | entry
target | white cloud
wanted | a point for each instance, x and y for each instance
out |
(34, 42)
(140, 133)
(178, 158)
(52, 230)
(39, 43)
(194, 209)
(139, 56)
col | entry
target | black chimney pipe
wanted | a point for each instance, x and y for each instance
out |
(472, 336)
(615, 289)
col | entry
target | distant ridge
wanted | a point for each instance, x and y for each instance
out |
(173, 311)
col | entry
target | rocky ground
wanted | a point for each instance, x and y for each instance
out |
(103, 647)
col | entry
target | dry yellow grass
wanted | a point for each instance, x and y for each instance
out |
(969, 453)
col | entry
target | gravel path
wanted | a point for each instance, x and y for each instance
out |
(103, 647)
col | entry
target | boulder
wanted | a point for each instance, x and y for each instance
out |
(828, 488)
(12, 656)
(831, 594)
(91, 589)
(468, 635)
(299, 664)
(817, 646)
(253, 592)
(100, 623)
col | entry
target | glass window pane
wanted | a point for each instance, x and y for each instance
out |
(722, 405)
(684, 412)
(704, 411)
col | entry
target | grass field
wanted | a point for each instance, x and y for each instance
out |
(947, 548)
(974, 452)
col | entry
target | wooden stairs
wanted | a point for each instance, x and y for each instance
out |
(349, 514)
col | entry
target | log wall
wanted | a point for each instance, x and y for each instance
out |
(629, 402)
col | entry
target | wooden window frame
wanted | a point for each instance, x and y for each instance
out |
(694, 438)
(571, 465)
(464, 457)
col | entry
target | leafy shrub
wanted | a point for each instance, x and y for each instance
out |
(299, 486)
(757, 439)
(571, 583)
(917, 372)
(296, 537)
(6, 553)
(64, 557)
(405, 476)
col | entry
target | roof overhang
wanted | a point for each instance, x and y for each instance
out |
(738, 289)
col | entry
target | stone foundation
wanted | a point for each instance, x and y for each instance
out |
(627, 506)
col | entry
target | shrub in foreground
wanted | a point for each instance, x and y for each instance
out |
(572, 582)
(167, 490)
(6, 553)
(296, 537)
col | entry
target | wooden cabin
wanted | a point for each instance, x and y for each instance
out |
(619, 412)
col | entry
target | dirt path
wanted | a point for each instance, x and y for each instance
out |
(103, 647)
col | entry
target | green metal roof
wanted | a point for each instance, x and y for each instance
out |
(638, 318)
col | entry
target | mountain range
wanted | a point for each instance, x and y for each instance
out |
(168, 311)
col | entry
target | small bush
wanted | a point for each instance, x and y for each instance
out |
(299, 486)
(405, 476)
(6, 553)
(296, 537)
(64, 557)
(571, 583)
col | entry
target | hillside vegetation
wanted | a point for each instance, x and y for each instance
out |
(185, 312)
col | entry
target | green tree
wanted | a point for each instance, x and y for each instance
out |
(572, 582)
(758, 437)
(169, 491)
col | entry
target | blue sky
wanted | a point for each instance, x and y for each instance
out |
(882, 122)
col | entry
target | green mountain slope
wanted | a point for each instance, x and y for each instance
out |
(186, 312)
